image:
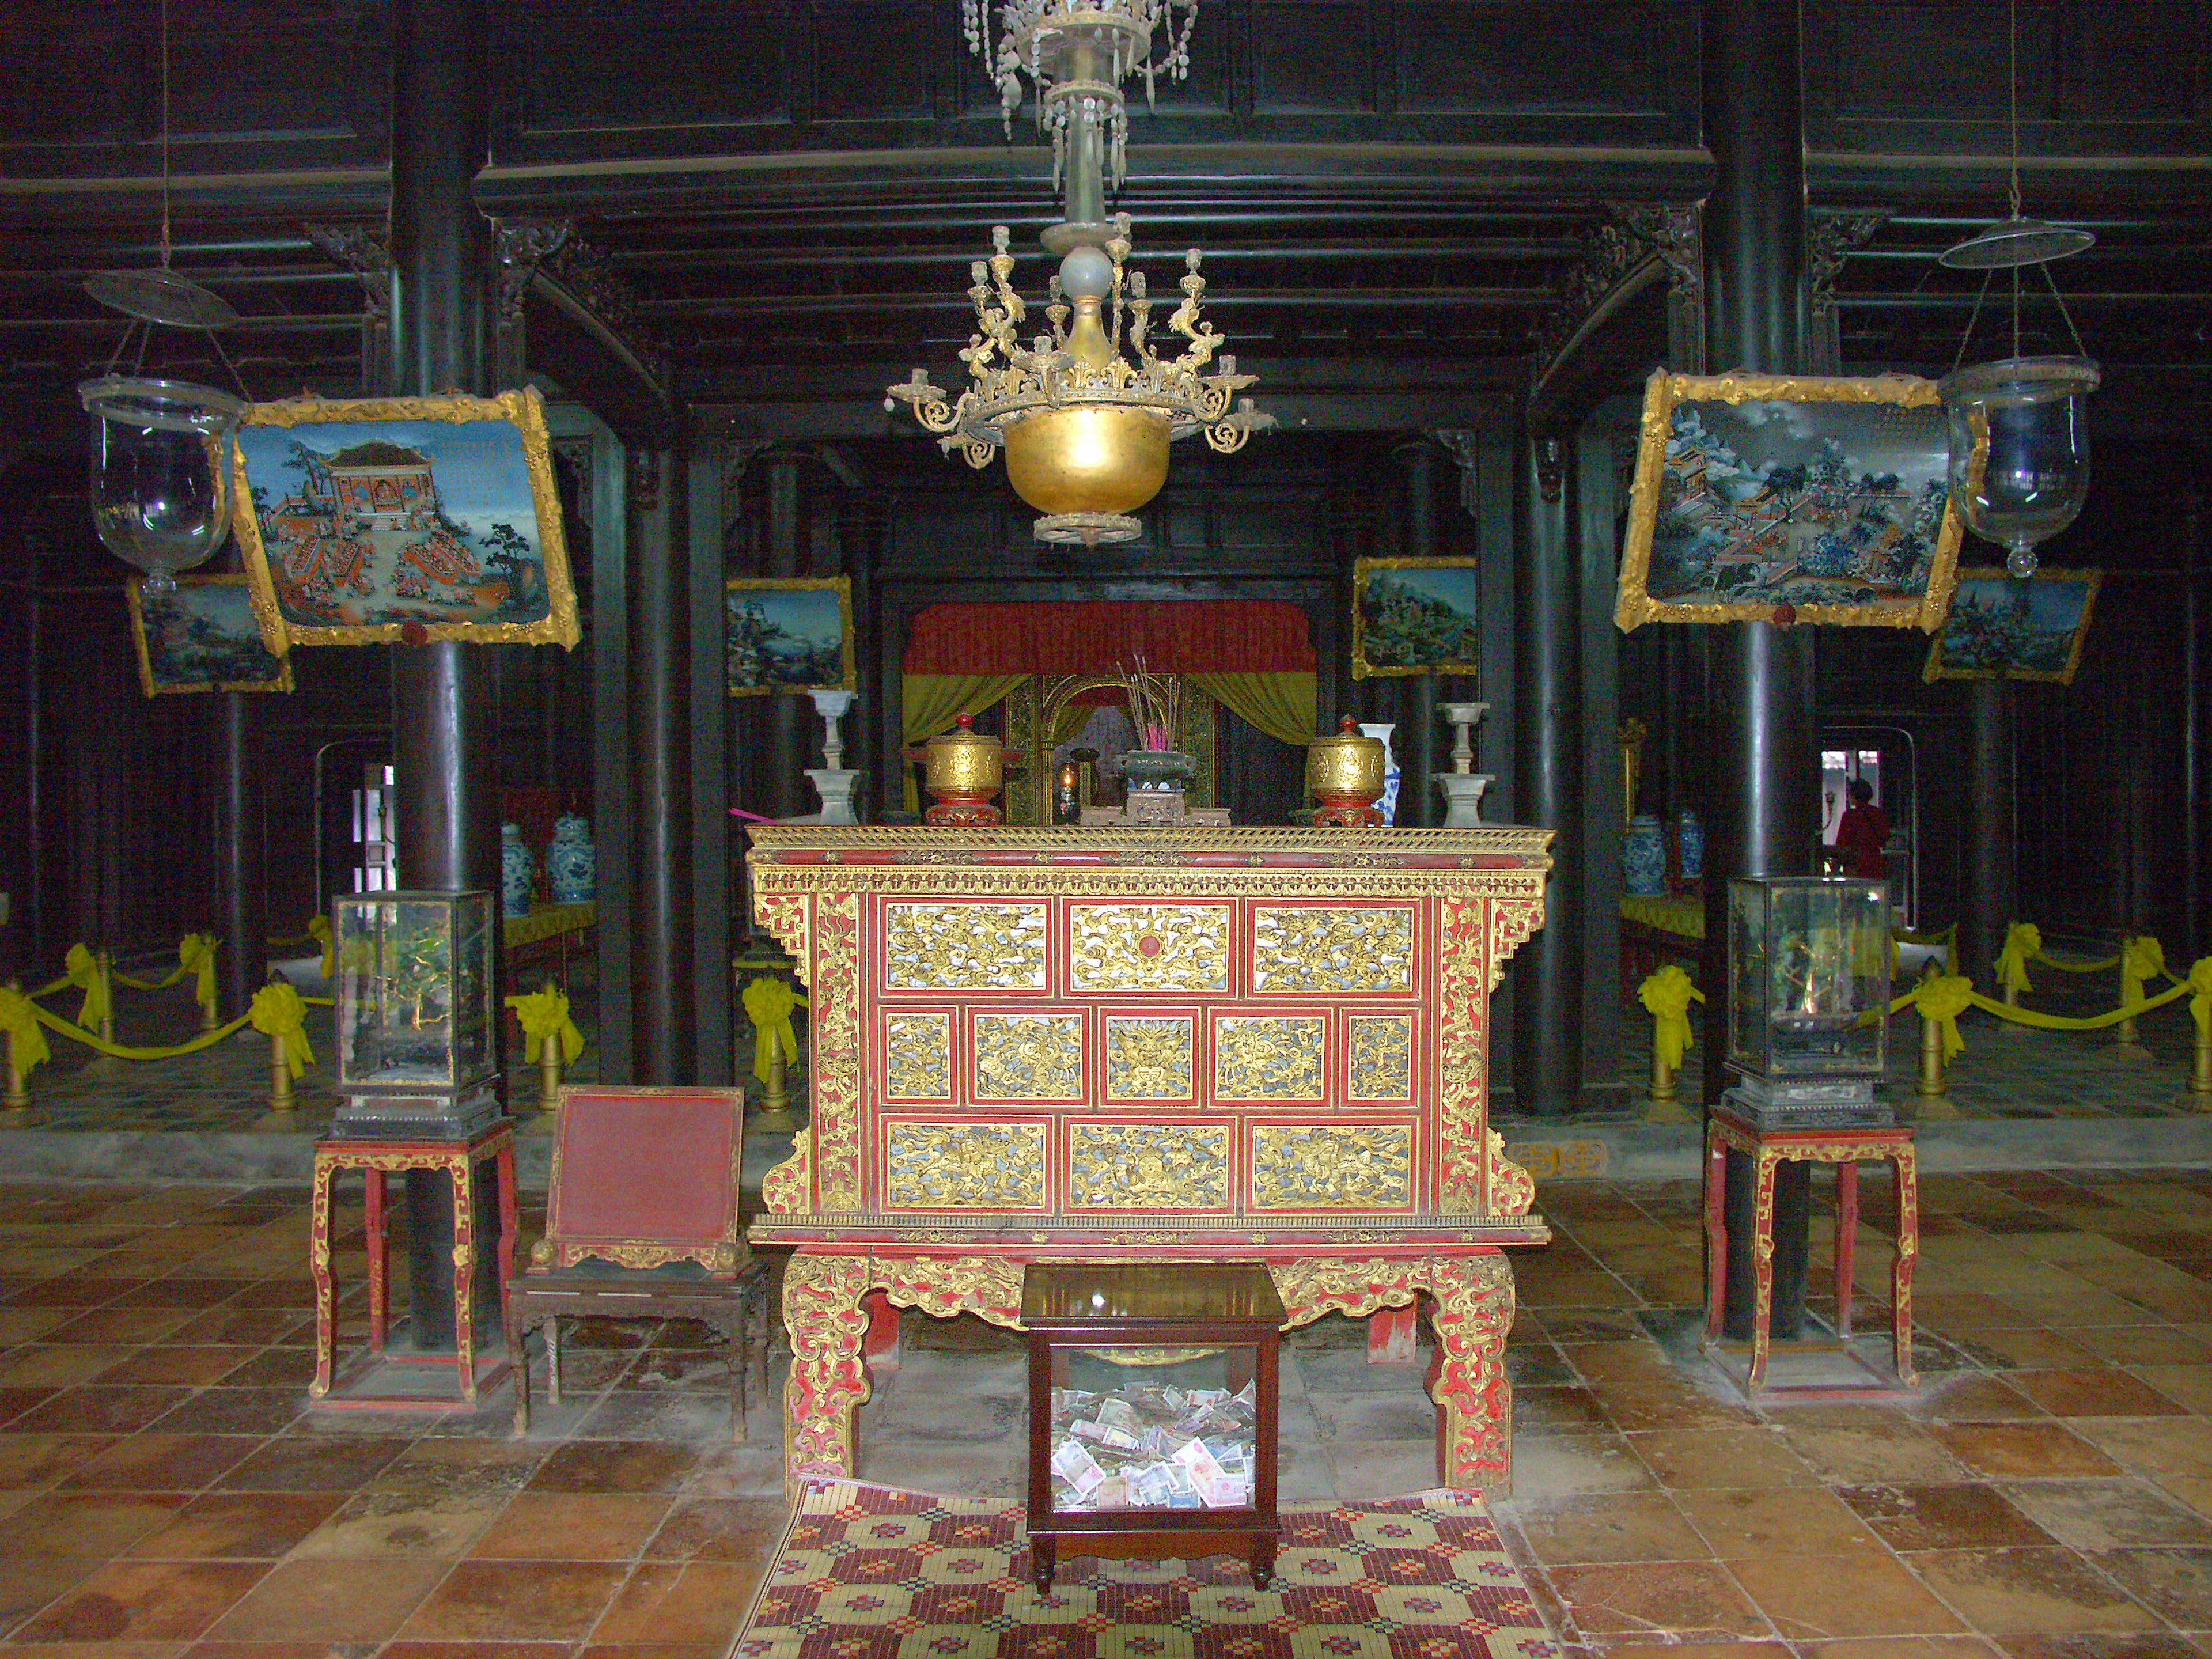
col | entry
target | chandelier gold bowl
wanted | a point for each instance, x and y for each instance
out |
(1087, 460)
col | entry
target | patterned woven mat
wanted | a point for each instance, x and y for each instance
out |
(872, 1572)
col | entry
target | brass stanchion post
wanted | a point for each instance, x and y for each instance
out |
(775, 1111)
(2125, 1045)
(1934, 1100)
(16, 1111)
(549, 1074)
(2199, 1098)
(105, 970)
(281, 1103)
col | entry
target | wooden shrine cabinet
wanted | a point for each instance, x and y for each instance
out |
(1203, 1044)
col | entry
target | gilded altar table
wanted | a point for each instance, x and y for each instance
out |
(1204, 1044)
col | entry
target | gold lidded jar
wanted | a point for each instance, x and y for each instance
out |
(1347, 766)
(963, 762)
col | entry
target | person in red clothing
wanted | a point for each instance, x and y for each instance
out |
(1861, 835)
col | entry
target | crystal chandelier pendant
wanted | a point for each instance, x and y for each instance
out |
(1086, 411)
(2019, 449)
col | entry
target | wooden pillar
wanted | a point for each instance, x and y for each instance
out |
(1766, 769)
(241, 895)
(662, 1007)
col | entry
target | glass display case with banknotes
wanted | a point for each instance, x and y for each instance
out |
(1152, 1412)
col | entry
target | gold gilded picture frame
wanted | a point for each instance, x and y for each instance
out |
(205, 636)
(789, 633)
(2004, 627)
(366, 519)
(1791, 498)
(1416, 616)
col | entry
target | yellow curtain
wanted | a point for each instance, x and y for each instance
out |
(1281, 705)
(930, 704)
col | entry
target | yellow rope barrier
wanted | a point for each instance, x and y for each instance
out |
(206, 1039)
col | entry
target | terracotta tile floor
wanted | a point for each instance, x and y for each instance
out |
(164, 1489)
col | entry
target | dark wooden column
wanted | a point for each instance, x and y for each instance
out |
(782, 554)
(1765, 769)
(662, 1008)
(712, 845)
(1546, 971)
(1419, 807)
(241, 895)
(1992, 890)
(442, 722)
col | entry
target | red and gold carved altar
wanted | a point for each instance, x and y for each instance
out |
(1199, 1044)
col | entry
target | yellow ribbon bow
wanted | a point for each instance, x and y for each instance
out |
(2141, 957)
(2200, 995)
(768, 1002)
(196, 956)
(19, 1020)
(277, 1011)
(2023, 940)
(1666, 997)
(543, 1014)
(81, 968)
(1942, 998)
(319, 929)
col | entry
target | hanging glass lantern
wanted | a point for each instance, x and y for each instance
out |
(160, 482)
(2019, 449)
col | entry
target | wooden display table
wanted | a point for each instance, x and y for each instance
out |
(1197, 1045)
(1143, 1321)
(377, 1159)
(1845, 1148)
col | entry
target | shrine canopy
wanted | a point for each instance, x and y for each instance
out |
(1254, 657)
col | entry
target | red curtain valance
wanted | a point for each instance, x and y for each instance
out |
(1090, 637)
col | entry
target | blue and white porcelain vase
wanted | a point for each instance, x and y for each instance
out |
(1690, 835)
(1386, 802)
(515, 871)
(571, 866)
(1644, 857)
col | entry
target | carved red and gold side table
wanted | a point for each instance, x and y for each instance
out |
(1845, 1148)
(377, 1160)
(1097, 1045)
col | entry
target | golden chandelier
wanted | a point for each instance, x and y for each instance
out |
(1085, 412)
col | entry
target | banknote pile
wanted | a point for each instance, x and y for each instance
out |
(1145, 1447)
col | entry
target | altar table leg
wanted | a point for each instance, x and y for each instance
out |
(1762, 1267)
(1716, 1235)
(1847, 1239)
(463, 1174)
(882, 1351)
(1472, 1314)
(379, 1258)
(828, 1379)
(319, 1268)
(1393, 1336)
(508, 1228)
(1908, 1252)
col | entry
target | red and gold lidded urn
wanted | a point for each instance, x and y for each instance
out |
(963, 768)
(1344, 773)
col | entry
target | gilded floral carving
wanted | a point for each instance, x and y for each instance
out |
(1462, 1057)
(1148, 1058)
(1149, 947)
(1028, 1057)
(918, 1056)
(1367, 949)
(834, 1038)
(964, 1166)
(963, 947)
(1382, 1056)
(1269, 1057)
(1133, 1166)
(1323, 1167)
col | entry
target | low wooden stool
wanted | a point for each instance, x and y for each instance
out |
(376, 1160)
(1845, 1148)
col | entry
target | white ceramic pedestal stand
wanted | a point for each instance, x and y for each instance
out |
(1462, 786)
(831, 780)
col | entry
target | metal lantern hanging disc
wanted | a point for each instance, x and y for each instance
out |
(2012, 243)
(160, 296)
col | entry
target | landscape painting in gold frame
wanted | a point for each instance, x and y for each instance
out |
(403, 519)
(2001, 627)
(788, 633)
(1791, 498)
(203, 637)
(1416, 616)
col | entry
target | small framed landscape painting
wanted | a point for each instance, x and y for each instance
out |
(203, 637)
(1790, 498)
(408, 519)
(2003, 626)
(789, 633)
(1416, 616)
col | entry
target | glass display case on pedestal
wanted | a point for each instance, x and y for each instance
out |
(1808, 988)
(415, 1030)
(1152, 1412)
